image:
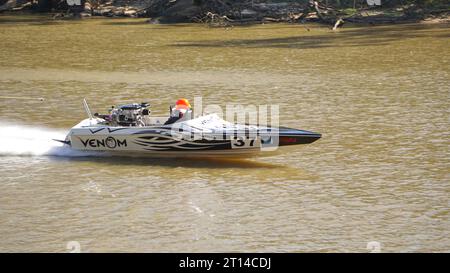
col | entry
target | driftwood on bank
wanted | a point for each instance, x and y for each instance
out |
(327, 15)
(211, 12)
(12, 4)
(223, 15)
(224, 12)
(217, 12)
(228, 12)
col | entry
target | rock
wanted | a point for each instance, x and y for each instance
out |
(87, 7)
(117, 13)
(130, 13)
(179, 11)
(85, 14)
(101, 12)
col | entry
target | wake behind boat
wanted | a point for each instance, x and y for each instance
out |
(131, 130)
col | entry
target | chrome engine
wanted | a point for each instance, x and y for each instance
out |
(130, 115)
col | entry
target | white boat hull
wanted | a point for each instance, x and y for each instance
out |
(165, 141)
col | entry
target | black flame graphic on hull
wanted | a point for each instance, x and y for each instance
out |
(159, 143)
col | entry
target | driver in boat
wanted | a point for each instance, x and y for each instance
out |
(182, 109)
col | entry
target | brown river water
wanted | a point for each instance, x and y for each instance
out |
(381, 172)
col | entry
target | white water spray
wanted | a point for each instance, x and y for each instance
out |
(20, 140)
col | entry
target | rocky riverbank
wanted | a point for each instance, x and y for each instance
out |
(222, 13)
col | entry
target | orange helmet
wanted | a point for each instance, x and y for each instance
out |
(183, 103)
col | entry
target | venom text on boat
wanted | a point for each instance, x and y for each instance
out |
(131, 130)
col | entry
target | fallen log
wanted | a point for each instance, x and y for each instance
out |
(270, 19)
(11, 4)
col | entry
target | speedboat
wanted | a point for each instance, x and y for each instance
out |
(131, 130)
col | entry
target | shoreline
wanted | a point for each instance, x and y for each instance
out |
(259, 14)
(377, 21)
